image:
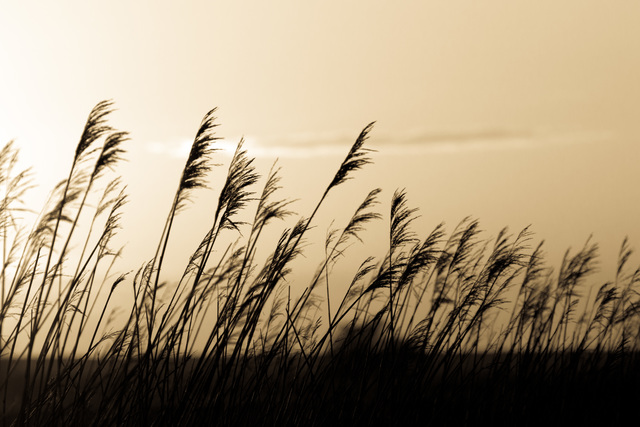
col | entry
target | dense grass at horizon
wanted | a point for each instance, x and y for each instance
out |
(445, 328)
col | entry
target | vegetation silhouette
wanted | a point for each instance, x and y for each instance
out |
(444, 330)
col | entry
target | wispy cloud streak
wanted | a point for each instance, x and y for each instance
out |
(329, 144)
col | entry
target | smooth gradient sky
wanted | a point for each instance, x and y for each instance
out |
(515, 113)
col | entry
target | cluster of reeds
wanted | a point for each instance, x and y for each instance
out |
(447, 329)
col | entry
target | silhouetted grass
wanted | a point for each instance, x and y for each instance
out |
(444, 329)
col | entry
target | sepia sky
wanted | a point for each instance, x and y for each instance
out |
(515, 113)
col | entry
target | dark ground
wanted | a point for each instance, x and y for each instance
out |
(373, 389)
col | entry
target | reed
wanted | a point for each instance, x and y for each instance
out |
(449, 329)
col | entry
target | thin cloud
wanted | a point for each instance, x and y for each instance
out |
(262, 147)
(421, 137)
(489, 140)
(337, 144)
(182, 148)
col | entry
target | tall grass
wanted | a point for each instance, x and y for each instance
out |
(443, 329)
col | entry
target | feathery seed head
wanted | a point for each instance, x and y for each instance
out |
(198, 162)
(401, 218)
(356, 158)
(94, 128)
(235, 193)
(111, 152)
